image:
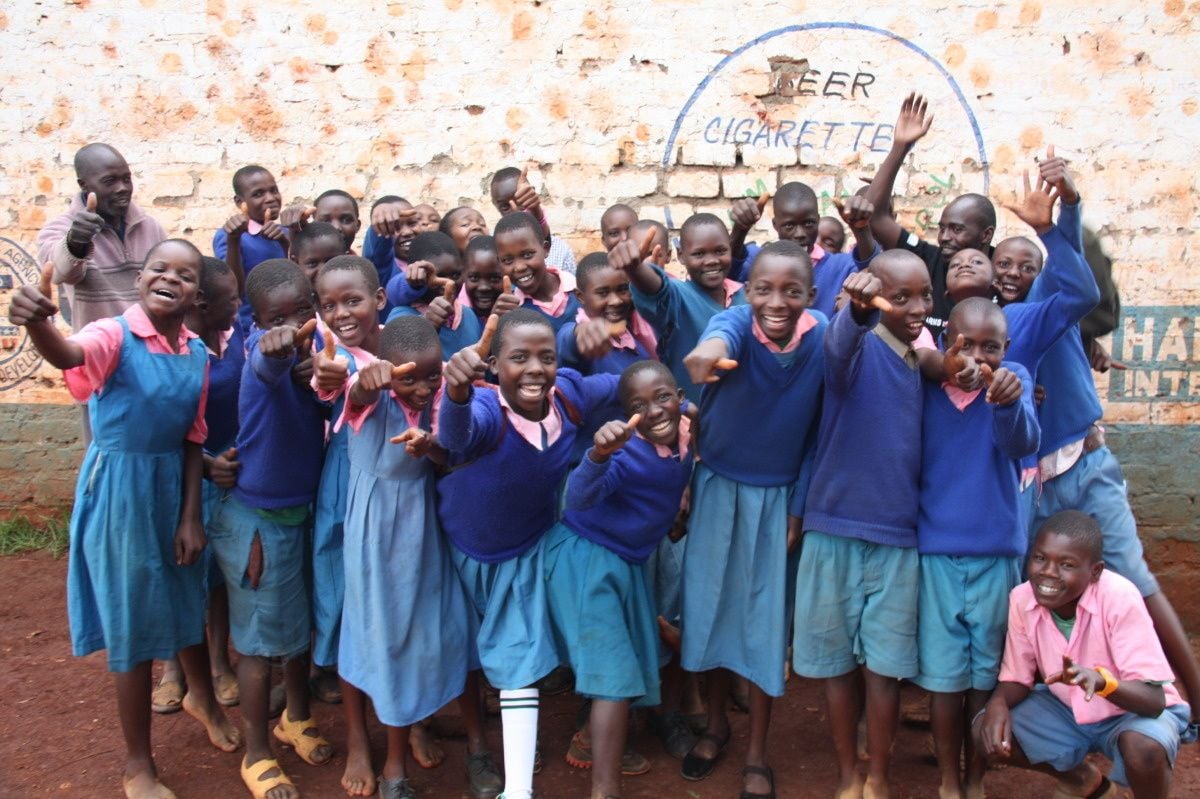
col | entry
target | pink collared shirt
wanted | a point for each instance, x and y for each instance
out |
(637, 331)
(558, 303)
(101, 342)
(731, 288)
(959, 398)
(356, 415)
(685, 440)
(530, 430)
(1112, 629)
(805, 323)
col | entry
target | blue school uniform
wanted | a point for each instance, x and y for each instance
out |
(970, 532)
(496, 504)
(601, 604)
(758, 428)
(679, 312)
(254, 249)
(829, 273)
(381, 251)
(467, 334)
(856, 585)
(125, 592)
(280, 443)
(405, 620)
(557, 321)
(329, 515)
(221, 418)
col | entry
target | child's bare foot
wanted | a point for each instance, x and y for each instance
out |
(359, 778)
(144, 785)
(875, 789)
(222, 733)
(425, 749)
(974, 791)
(669, 634)
(949, 792)
(851, 790)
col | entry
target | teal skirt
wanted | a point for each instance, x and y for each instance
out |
(604, 618)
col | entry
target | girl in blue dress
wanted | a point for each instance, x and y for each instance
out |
(135, 580)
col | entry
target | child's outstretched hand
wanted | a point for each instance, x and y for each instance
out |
(525, 198)
(375, 376)
(505, 301)
(463, 369)
(29, 306)
(419, 274)
(865, 292)
(1036, 210)
(703, 362)
(1054, 171)
(388, 218)
(331, 369)
(1073, 674)
(746, 211)
(996, 730)
(914, 121)
(962, 371)
(1102, 361)
(593, 339)
(855, 211)
(612, 436)
(297, 216)
(223, 469)
(85, 224)
(189, 541)
(272, 229)
(417, 442)
(1004, 387)
(236, 225)
(439, 311)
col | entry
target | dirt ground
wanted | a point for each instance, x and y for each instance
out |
(59, 735)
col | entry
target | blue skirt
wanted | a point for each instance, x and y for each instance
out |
(736, 605)
(328, 587)
(604, 618)
(271, 620)
(125, 593)
(507, 601)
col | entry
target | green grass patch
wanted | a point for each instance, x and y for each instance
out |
(19, 534)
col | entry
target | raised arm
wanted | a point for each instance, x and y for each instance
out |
(911, 125)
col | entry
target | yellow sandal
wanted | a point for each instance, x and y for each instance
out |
(252, 777)
(292, 733)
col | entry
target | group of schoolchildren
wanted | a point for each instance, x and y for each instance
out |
(462, 454)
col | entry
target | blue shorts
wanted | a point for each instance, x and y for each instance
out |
(1096, 486)
(963, 614)
(273, 619)
(1047, 732)
(856, 604)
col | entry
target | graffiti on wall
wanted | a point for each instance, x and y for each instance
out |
(1158, 346)
(18, 358)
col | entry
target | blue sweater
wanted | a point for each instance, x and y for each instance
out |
(679, 312)
(254, 250)
(281, 438)
(829, 273)
(567, 315)
(970, 473)
(627, 504)
(759, 422)
(502, 493)
(866, 478)
(468, 332)
(381, 251)
(614, 363)
(224, 380)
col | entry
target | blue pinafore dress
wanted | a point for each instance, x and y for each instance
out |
(404, 623)
(125, 593)
(328, 573)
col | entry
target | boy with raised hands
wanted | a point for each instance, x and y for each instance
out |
(795, 218)
(511, 191)
(967, 222)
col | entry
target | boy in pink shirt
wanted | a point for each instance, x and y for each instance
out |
(1107, 684)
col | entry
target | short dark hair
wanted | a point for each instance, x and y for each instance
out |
(211, 269)
(314, 231)
(444, 225)
(352, 263)
(979, 305)
(786, 249)
(430, 245)
(795, 192)
(337, 193)
(505, 173)
(981, 205)
(520, 220)
(406, 336)
(590, 263)
(388, 198)
(270, 275)
(701, 220)
(184, 242)
(1080, 528)
(243, 174)
(634, 369)
(617, 207)
(482, 243)
(519, 317)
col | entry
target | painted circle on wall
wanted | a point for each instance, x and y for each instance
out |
(826, 94)
(18, 358)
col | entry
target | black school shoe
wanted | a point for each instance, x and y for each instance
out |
(696, 768)
(761, 771)
(483, 778)
(399, 788)
(673, 730)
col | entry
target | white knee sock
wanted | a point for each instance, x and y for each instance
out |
(518, 720)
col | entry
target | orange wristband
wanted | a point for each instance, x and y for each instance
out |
(1110, 682)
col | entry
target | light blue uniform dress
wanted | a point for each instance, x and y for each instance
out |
(328, 574)
(404, 623)
(125, 592)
